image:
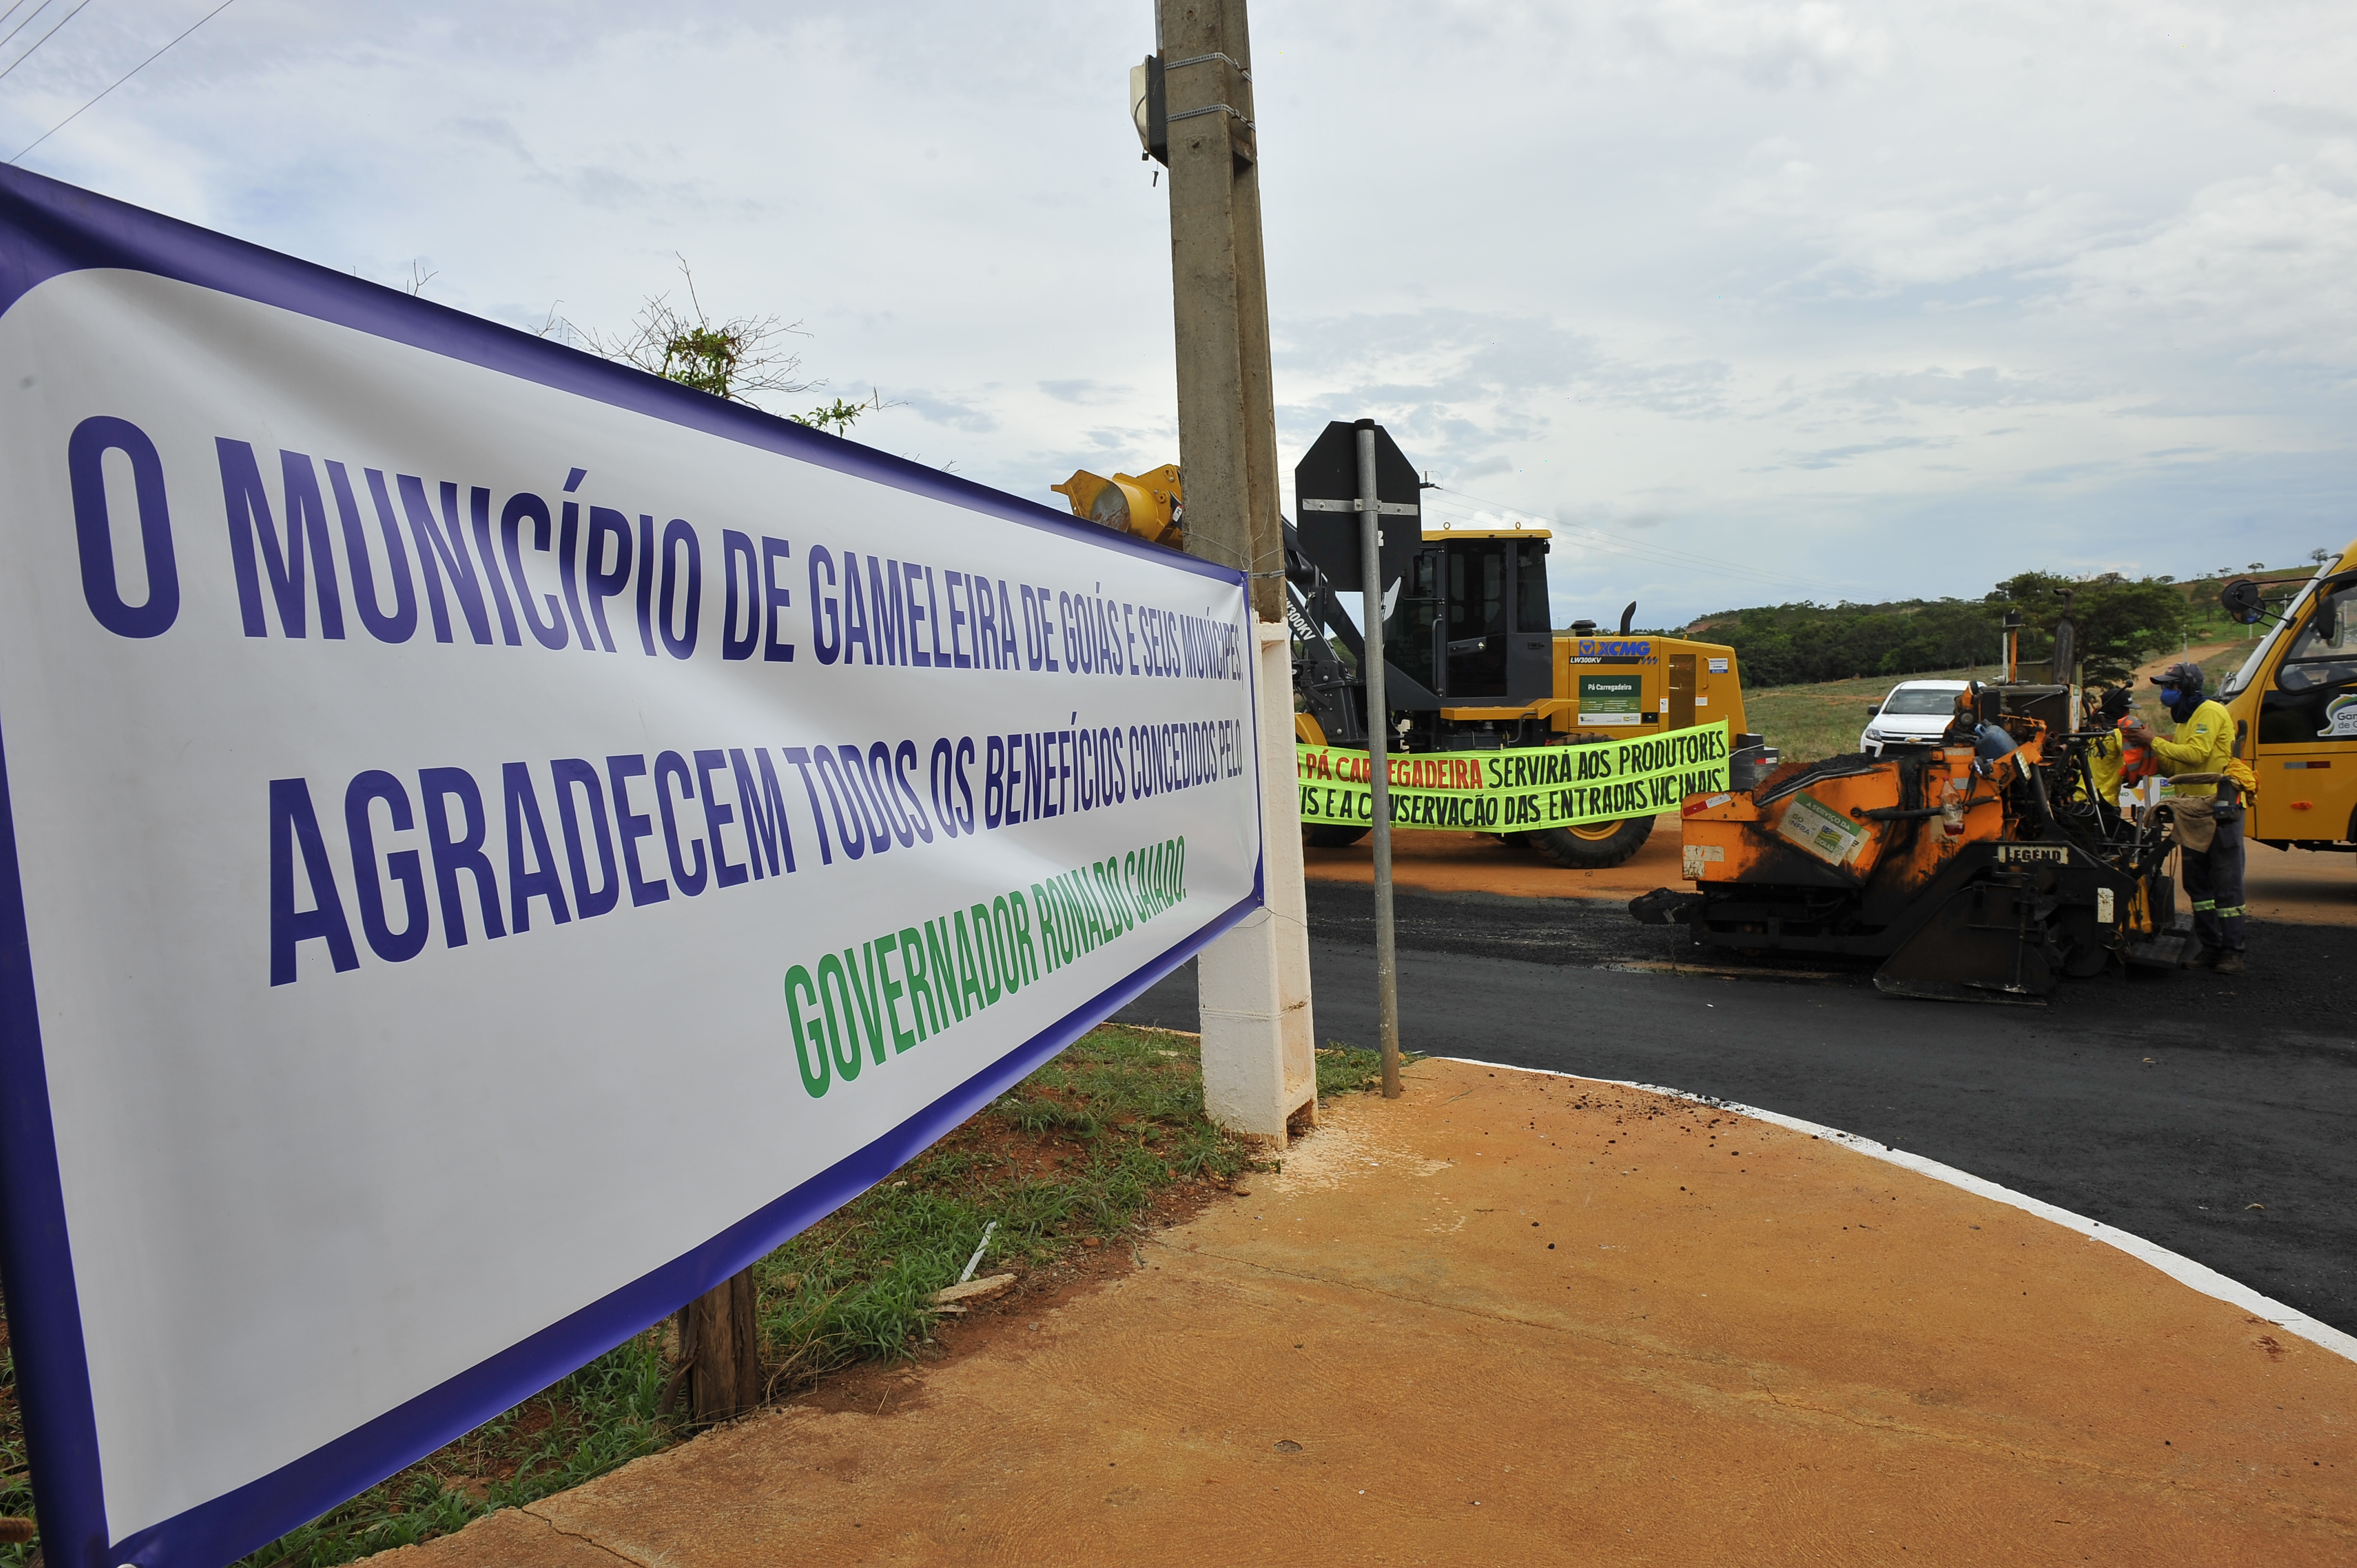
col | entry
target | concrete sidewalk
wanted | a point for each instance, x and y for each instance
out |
(1518, 1318)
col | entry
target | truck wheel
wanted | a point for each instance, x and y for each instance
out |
(1590, 846)
(1328, 835)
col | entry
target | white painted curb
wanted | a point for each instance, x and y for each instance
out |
(2183, 1270)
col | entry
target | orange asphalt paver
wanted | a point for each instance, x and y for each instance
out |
(2298, 886)
(1516, 1318)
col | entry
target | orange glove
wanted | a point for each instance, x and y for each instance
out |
(2137, 760)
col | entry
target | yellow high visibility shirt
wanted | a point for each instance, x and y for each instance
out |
(2203, 743)
(2104, 763)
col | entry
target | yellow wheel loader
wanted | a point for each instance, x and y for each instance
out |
(1473, 663)
(1475, 666)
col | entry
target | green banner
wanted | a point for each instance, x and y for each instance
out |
(1519, 789)
(1618, 698)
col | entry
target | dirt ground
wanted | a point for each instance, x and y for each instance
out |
(1519, 1318)
(1476, 863)
(2301, 886)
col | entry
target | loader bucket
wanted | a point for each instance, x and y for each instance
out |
(1983, 944)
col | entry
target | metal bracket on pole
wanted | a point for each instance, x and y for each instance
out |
(1198, 60)
(1388, 509)
(1207, 109)
(1372, 509)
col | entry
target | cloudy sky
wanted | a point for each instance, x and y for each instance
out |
(1756, 302)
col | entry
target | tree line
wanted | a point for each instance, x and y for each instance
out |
(2120, 621)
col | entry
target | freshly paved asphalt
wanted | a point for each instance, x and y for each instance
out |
(2216, 1117)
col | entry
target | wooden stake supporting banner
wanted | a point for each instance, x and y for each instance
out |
(720, 1350)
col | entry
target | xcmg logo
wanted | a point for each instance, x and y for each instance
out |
(1594, 648)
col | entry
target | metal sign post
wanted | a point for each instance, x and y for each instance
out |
(1371, 536)
(1350, 486)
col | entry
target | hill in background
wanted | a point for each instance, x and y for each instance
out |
(2121, 621)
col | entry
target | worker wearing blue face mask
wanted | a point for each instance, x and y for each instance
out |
(2208, 811)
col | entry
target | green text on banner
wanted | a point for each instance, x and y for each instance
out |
(1519, 789)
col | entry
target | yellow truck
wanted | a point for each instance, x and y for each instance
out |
(2294, 702)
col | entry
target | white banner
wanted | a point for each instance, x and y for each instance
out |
(499, 842)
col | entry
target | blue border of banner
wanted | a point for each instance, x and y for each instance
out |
(237, 1522)
(49, 228)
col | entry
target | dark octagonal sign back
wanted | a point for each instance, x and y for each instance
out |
(1329, 471)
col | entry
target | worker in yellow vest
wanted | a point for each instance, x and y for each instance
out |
(2207, 807)
(2104, 753)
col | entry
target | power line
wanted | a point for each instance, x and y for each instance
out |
(44, 38)
(119, 81)
(23, 24)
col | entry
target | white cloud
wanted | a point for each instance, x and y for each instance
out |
(2262, 267)
(1983, 386)
(1807, 292)
(1812, 44)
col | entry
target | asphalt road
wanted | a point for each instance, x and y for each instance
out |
(2165, 1105)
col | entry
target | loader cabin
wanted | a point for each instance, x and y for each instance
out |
(1472, 625)
(2294, 702)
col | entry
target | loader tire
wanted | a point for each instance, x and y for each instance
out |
(1592, 846)
(1329, 836)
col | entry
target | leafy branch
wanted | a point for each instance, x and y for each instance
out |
(738, 359)
(840, 416)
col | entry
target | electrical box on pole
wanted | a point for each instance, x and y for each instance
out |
(1148, 110)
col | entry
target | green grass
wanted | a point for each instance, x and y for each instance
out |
(1080, 1151)
(16, 1481)
(1807, 723)
(600, 1417)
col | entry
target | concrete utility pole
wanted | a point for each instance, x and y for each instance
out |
(1259, 1066)
(1379, 782)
